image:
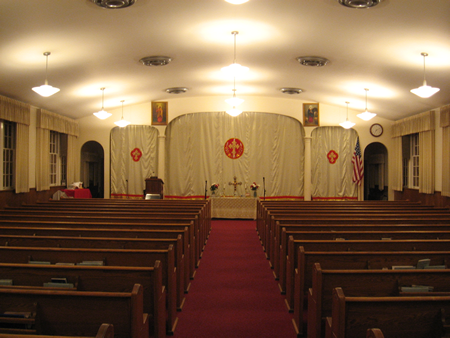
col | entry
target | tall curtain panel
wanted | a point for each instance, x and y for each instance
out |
(332, 150)
(134, 154)
(199, 152)
(445, 125)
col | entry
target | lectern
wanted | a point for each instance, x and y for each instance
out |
(154, 185)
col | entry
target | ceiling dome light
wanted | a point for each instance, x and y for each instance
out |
(235, 69)
(312, 61)
(122, 123)
(113, 4)
(176, 90)
(155, 60)
(424, 91)
(237, 2)
(366, 115)
(359, 3)
(347, 124)
(46, 90)
(234, 101)
(291, 91)
(102, 114)
(234, 112)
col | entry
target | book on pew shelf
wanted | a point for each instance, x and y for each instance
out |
(61, 263)
(6, 282)
(403, 267)
(58, 280)
(91, 263)
(417, 288)
(386, 238)
(39, 262)
(437, 267)
(14, 314)
(340, 239)
(423, 263)
(59, 285)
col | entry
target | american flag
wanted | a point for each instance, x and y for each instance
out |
(358, 167)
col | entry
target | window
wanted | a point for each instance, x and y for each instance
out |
(58, 158)
(8, 135)
(411, 161)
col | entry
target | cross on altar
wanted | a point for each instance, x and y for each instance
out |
(235, 183)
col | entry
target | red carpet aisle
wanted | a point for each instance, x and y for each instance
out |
(234, 293)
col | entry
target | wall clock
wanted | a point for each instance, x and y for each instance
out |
(376, 130)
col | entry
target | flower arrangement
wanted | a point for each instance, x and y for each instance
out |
(254, 186)
(214, 186)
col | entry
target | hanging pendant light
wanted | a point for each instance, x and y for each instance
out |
(237, 2)
(424, 91)
(122, 123)
(102, 114)
(234, 101)
(235, 69)
(366, 115)
(46, 90)
(347, 124)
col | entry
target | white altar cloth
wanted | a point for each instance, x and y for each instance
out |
(233, 207)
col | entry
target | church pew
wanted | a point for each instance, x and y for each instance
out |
(287, 281)
(371, 283)
(83, 311)
(412, 317)
(109, 243)
(97, 278)
(118, 233)
(111, 257)
(374, 333)
(104, 331)
(351, 260)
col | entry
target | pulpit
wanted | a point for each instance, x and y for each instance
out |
(154, 185)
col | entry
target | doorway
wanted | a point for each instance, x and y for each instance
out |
(375, 172)
(92, 168)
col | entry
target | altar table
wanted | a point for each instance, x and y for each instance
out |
(233, 207)
(78, 193)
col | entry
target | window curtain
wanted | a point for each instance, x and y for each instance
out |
(47, 121)
(134, 157)
(424, 125)
(445, 125)
(273, 152)
(397, 164)
(332, 150)
(18, 112)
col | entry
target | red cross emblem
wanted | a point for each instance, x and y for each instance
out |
(136, 154)
(332, 156)
(234, 148)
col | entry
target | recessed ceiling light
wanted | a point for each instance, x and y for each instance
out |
(155, 60)
(312, 61)
(114, 4)
(176, 90)
(359, 3)
(236, 2)
(291, 91)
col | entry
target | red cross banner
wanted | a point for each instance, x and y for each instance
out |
(234, 148)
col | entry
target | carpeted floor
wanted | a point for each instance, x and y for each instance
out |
(234, 293)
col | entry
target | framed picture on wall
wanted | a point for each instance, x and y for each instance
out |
(310, 114)
(159, 113)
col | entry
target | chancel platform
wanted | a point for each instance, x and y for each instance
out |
(233, 207)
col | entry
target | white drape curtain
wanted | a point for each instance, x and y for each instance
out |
(273, 152)
(45, 122)
(333, 181)
(134, 157)
(424, 124)
(397, 164)
(445, 125)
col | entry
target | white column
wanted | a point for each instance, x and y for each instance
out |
(161, 156)
(307, 183)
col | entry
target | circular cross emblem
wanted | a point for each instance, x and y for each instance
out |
(234, 148)
(332, 156)
(136, 154)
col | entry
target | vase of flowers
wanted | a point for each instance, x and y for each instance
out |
(214, 187)
(254, 187)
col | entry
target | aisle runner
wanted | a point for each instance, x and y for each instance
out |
(234, 293)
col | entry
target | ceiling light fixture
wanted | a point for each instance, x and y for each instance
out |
(122, 123)
(235, 69)
(347, 124)
(113, 4)
(359, 3)
(155, 60)
(234, 101)
(176, 90)
(46, 90)
(102, 114)
(291, 91)
(237, 2)
(424, 91)
(366, 115)
(312, 61)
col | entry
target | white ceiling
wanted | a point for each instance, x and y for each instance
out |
(91, 47)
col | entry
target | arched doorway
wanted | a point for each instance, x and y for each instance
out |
(92, 168)
(375, 172)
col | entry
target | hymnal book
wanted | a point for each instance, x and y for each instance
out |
(58, 280)
(423, 263)
(6, 282)
(60, 263)
(39, 262)
(58, 285)
(417, 288)
(403, 267)
(13, 314)
(437, 267)
(91, 263)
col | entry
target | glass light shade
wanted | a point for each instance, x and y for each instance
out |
(235, 69)
(122, 123)
(425, 91)
(234, 112)
(237, 2)
(366, 115)
(347, 124)
(102, 114)
(46, 90)
(234, 101)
